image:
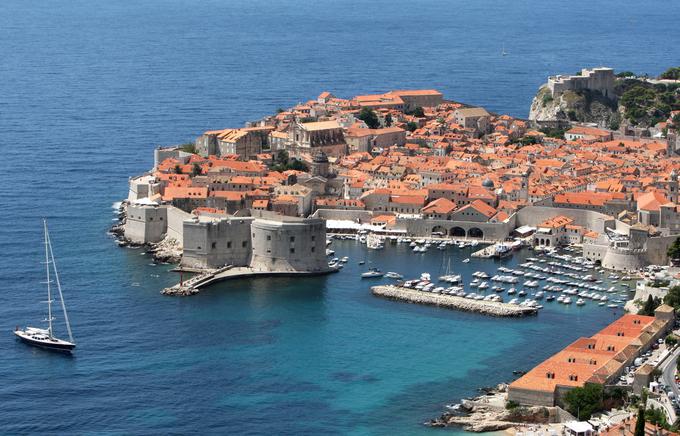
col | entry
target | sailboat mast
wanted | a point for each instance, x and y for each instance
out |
(56, 278)
(49, 290)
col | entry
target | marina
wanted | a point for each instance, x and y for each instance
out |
(522, 278)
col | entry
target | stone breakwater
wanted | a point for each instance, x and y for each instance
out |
(452, 302)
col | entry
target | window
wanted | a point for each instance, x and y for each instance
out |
(573, 377)
(550, 375)
(292, 239)
(268, 250)
(312, 249)
(161, 218)
(269, 237)
(244, 244)
(292, 250)
(198, 248)
(313, 238)
(571, 360)
(228, 244)
(214, 245)
(150, 218)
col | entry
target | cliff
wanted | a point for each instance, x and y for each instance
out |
(634, 100)
(583, 106)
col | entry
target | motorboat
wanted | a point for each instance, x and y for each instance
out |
(372, 273)
(393, 275)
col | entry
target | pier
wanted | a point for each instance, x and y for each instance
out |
(209, 277)
(491, 308)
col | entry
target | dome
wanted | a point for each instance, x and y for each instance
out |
(488, 183)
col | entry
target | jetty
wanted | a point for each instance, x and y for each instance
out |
(491, 308)
(193, 285)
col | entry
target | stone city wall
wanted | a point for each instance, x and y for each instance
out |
(176, 218)
(213, 244)
(532, 397)
(145, 224)
(535, 215)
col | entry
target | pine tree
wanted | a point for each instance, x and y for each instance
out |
(640, 424)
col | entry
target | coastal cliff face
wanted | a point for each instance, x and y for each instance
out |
(583, 106)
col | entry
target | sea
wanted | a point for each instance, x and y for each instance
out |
(88, 88)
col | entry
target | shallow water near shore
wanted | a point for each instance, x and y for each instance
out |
(89, 88)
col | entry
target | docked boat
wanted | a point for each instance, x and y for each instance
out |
(466, 260)
(372, 273)
(45, 338)
(393, 275)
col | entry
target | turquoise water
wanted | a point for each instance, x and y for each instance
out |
(89, 88)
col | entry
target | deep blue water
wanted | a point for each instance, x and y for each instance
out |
(88, 88)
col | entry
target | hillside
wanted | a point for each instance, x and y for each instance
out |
(638, 101)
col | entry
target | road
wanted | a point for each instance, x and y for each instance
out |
(668, 378)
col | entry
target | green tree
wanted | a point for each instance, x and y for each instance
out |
(672, 298)
(650, 306)
(675, 122)
(583, 401)
(418, 112)
(411, 126)
(674, 250)
(368, 116)
(388, 120)
(623, 74)
(640, 424)
(282, 156)
(196, 170)
(188, 148)
(656, 416)
(672, 73)
(178, 169)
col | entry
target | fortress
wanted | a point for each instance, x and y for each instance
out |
(263, 241)
(597, 79)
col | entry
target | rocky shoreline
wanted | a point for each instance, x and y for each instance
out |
(491, 308)
(166, 251)
(488, 412)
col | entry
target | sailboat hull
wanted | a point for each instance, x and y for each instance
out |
(43, 341)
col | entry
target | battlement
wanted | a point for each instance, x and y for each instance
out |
(597, 79)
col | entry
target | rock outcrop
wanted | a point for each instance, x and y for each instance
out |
(583, 106)
(488, 413)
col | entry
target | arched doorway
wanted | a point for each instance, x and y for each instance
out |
(475, 232)
(457, 232)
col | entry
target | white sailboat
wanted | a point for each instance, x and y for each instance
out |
(45, 338)
(503, 52)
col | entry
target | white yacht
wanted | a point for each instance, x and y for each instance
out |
(372, 273)
(45, 338)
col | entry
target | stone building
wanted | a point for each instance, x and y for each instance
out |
(309, 138)
(475, 118)
(600, 359)
(264, 243)
(598, 79)
(245, 142)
